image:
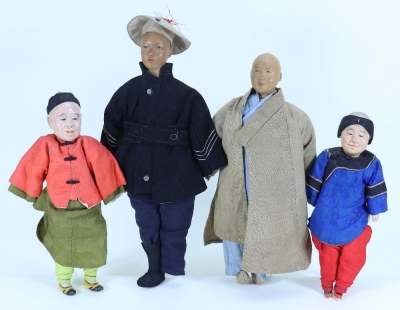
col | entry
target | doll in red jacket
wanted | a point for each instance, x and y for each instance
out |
(79, 173)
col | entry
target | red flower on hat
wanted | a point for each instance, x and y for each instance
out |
(170, 20)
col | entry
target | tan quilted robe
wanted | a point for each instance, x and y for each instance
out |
(279, 141)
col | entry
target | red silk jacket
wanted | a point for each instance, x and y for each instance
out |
(81, 170)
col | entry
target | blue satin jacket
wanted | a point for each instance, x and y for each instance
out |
(344, 192)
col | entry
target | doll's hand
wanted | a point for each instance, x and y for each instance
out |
(208, 177)
(375, 217)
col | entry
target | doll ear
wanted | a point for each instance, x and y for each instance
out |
(170, 51)
(49, 122)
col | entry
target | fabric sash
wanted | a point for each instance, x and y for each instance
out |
(137, 133)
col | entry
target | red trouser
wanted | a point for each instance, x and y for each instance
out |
(342, 263)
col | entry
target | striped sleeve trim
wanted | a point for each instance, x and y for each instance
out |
(110, 139)
(376, 190)
(205, 152)
(314, 183)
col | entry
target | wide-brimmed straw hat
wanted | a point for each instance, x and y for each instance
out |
(142, 24)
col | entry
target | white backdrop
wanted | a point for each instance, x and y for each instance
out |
(337, 57)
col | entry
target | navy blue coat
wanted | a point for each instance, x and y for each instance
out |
(161, 132)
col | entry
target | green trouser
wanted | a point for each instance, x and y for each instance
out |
(64, 274)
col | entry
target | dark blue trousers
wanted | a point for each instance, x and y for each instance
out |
(167, 224)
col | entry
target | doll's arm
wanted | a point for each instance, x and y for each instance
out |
(212, 174)
(114, 115)
(376, 192)
(314, 180)
(20, 193)
(309, 144)
(204, 139)
(113, 196)
(106, 172)
(30, 173)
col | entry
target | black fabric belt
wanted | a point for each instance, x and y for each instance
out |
(137, 133)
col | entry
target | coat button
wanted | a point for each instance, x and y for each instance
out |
(146, 178)
(149, 91)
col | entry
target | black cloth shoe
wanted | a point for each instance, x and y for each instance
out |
(154, 276)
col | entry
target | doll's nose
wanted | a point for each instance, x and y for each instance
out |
(354, 138)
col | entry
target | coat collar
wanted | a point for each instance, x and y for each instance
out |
(263, 114)
(165, 71)
(62, 142)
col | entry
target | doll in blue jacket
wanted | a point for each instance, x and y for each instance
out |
(346, 187)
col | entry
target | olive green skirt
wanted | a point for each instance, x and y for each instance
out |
(74, 237)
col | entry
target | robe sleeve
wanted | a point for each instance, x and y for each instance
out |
(106, 172)
(16, 191)
(31, 172)
(376, 192)
(204, 140)
(315, 177)
(309, 143)
(112, 128)
(219, 119)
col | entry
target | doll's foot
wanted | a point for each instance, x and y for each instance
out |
(95, 287)
(260, 279)
(338, 296)
(67, 290)
(243, 277)
(256, 279)
(151, 280)
(328, 294)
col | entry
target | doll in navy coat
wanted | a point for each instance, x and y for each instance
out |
(162, 134)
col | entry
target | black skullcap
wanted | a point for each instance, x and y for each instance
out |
(358, 120)
(61, 98)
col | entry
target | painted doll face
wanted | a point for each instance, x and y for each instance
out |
(354, 139)
(155, 51)
(265, 74)
(65, 120)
